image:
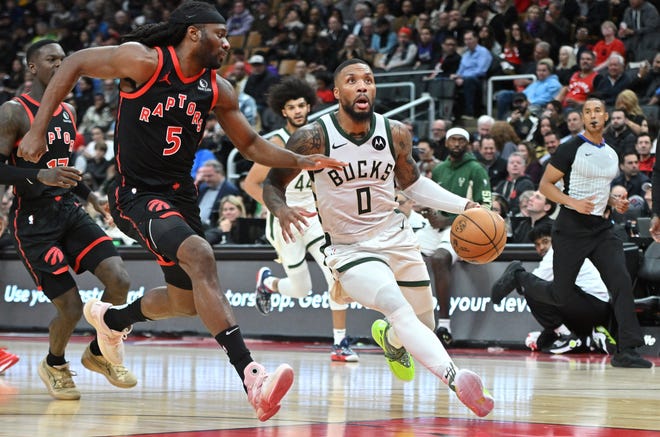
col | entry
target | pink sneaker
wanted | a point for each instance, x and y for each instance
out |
(470, 390)
(110, 342)
(7, 360)
(266, 391)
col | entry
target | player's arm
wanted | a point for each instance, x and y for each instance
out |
(419, 188)
(254, 147)
(308, 140)
(13, 123)
(131, 61)
(253, 183)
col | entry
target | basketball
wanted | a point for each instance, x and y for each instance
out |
(478, 235)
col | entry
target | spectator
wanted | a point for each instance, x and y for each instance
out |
(324, 91)
(448, 61)
(401, 55)
(407, 17)
(505, 138)
(484, 124)
(567, 64)
(224, 232)
(640, 30)
(553, 110)
(630, 176)
(608, 45)
(581, 83)
(474, 65)
(352, 49)
(574, 124)
(539, 212)
(543, 90)
(551, 143)
(99, 137)
(490, 159)
(516, 182)
(627, 100)
(646, 159)
(647, 81)
(99, 115)
(439, 129)
(555, 28)
(486, 39)
(545, 125)
(336, 33)
(501, 207)
(302, 72)
(240, 20)
(521, 119)
(618, 135)
(213, 187)
(384, 39)
(239, 72)
(462, 175)
(259, 81)
(427, 50)
(533, 167)
(97, 165)
(576, 323)
(518, 48)
(427, 162)
(611, 82)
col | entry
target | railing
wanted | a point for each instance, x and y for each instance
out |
(506, 77)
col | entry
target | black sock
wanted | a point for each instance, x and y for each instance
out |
(94, 348)
(232, 342)
(120, 319)
(54, 360)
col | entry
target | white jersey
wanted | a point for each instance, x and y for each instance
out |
(356, 202)
(299, 191)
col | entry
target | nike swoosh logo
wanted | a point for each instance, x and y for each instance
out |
(232, 331)
(587, 154)
(29, 181)
(337, 146)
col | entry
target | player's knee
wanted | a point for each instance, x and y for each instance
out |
(300, 284)
(196, 254)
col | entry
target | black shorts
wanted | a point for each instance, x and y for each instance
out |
(160, 220)
(53, 234)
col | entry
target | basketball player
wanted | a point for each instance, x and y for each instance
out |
(168, 84)
(587, 165)
(370, 247)
(51, 231)
(293, 98)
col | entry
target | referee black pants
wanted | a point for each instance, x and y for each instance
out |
(578, 236)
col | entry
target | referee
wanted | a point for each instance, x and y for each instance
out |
(587, 165)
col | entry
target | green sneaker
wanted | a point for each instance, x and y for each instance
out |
(601, 340)
(400, 361)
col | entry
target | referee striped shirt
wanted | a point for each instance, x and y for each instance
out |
(588, 170)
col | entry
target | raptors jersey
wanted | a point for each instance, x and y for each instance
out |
(160, 125)
(299, 191)
(355, 202)
(60, 137)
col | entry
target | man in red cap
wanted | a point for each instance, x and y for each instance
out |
(404, 53)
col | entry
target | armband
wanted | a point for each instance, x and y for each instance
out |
(427, 193)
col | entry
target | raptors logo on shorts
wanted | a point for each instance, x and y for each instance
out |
(156, 205)
(54, 256)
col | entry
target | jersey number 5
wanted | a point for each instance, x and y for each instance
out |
(173, 139)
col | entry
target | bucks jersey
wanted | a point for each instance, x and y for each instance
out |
(299, 191)
(60, 136)
(356, 201)
(160, 125)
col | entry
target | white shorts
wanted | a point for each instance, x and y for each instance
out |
(431, 240)
(397, 247)
(292, 255)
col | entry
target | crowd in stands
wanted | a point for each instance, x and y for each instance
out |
(574, 48)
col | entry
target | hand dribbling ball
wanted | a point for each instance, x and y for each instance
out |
(478, 235)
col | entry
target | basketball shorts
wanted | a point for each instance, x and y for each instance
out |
(292, 255)
(53, 234)
(160, 221)
(397, 247)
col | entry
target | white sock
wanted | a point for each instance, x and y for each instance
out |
(445, 323)
(339, 335)
(563, 330)
(269, 282)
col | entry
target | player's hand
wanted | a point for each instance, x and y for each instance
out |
(65, 177)
(472, 204)
(655, 228)
(318, 162)
(101, 206)
(32, 147)
(292, 219)
(584, 206)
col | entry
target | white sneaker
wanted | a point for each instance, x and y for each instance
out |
(110, 342)
(59, 381)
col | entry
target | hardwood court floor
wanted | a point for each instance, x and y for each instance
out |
(187, 388)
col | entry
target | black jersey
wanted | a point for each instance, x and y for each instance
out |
(60, 137)
(160, 125)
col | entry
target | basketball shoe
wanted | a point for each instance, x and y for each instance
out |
(262, 293)
(116, 374)
(470, 390)
(400, 361)
(630, 358)
(342, 352)
(111, 342)
(266, 391)
(506, 283)
(444, 336)
(602, 340)
(59, 381)
(7, 360)
(566, 343)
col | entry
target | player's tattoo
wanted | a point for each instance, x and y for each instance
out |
(307, 140)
